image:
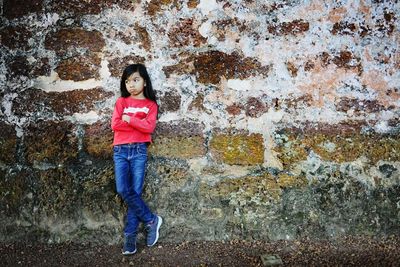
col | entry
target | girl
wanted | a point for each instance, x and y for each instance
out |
(133, 121)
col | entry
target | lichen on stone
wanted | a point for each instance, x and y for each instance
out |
(237, 149)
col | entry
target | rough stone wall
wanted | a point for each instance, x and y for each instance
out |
(278, 119)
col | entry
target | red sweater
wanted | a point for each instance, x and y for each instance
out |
(143, 113)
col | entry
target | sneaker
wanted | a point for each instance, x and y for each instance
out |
(129, 244)
(152, 231)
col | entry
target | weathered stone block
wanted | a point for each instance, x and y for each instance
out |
(14, 188)
(172, 174)
(185, 33)
(50, 142)
(154, 6)
(15, 37)
(290, 181)
(295, 102)
(358, 105)
(143, 37)
(292, 68)
(235, 109)
(193, 3)
(178, 147)
(98, 140)
(383, 24)
(181, 140)
(294, 27)
(79, 68)
(36, 102)
(42, 67)
(255, 107)
(170, 102)
(344, 28)
(57, 194)
(8, 143)
(224, 27)
(70, 39)
(198, 104)
(19, 66)
(240, 192)
(117, 65)
(210, 66)
(17, 8)
(337, 144)
(78, 7)
(237, 149)
(342, 59)
(99, 197)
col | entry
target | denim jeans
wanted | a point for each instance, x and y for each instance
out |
(130, 162)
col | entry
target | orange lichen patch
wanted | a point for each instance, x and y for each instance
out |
(178, 147)
(367, 55)
(375, 80)
(311, 8)
(193, 3)
(366, 10)
(238, 149)
(288, 181)
(337, 14)
(325, 81)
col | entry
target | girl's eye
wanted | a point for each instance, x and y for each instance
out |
(134, 80)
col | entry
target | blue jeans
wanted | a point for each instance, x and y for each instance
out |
(130, 166)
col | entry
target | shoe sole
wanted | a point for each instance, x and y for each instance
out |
(158, 228)
(127, 253)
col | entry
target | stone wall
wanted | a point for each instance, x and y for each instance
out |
(278, 119)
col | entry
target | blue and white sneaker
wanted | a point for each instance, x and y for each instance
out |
(129, 244)
(152, 231)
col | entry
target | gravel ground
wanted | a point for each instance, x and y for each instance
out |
(346, 251)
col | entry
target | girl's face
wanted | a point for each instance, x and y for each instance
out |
(135, 85)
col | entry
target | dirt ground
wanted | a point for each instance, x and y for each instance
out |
(347, 251)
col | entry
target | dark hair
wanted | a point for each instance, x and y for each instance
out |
(148, 89)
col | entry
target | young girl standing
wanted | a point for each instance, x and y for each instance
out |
(133, 121)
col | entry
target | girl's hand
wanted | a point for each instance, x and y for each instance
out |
(126, 118)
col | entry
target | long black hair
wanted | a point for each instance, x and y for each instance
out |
(148, 89)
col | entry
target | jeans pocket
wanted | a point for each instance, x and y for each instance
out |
(116, 149)
(142, 149)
